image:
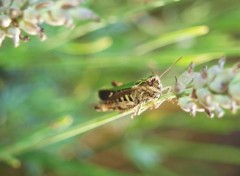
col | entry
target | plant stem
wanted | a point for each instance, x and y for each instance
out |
(48, 135)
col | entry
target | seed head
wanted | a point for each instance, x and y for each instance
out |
(211, 90)
(26, 17)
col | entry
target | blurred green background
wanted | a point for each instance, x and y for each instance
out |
(48, 88)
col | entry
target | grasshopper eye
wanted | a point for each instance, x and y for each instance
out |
(150, 83)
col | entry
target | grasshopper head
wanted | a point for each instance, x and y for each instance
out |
(154, 83)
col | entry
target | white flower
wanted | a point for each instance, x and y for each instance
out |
(28, 15)
(211, 90)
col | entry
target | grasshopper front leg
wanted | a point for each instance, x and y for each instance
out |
(137, 110)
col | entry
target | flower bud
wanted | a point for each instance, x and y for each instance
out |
(179, 87)
(83, 14)
(32, 15)
(14, 12)
(204, 96)
(5, 21)
(2, 37)
(223, 101)
(55, 17)
(214, 70)
(200, 79)
(212, 107)
(186, 77)
(14, 33)
(188, 105)
(42, 35)
(234, 88)
(211, 90)
(221, 62)
(236, 68)
(43, 5)
(219, 111)
(30, 28)
(221, 81)
(66, 4)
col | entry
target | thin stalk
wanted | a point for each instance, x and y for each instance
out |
(42, 138)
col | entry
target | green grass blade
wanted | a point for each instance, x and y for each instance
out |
(49, 135)
(171, 38)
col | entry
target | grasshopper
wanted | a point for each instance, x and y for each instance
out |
(133, 95)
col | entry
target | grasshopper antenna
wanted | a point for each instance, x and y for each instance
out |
(170, 67)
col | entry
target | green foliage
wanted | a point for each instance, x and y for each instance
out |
(48, 90)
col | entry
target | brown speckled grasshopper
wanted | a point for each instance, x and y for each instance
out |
(132, 95)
